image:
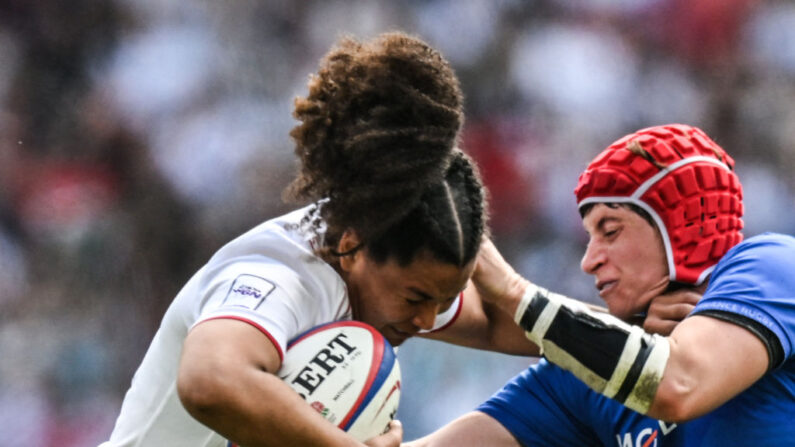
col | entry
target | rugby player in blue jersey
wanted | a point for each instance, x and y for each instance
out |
(662, 209)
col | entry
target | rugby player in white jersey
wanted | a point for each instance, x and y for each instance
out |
(390, 238)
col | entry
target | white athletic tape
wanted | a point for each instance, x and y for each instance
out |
(642, 395)
(635, 367)
(560, 357)
(628, 355)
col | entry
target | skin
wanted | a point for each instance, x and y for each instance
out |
(470, 430)
(627, 273)
(226, 381)
(227, 370)
(397, 300)
(668, 310)
(400, 301)
(710, 360)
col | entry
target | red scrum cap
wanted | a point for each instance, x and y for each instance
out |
(685, 181)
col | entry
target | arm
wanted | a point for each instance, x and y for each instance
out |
(482, 324)
(542, 405)
(227, 381)
(711, 361)
(473, 429)
(704, 362)
(486, 320)
(498, 284)
(695, 379)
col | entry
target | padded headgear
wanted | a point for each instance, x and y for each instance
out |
(685, 181)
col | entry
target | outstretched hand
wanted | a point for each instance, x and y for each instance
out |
(667, 310)
(392, 437)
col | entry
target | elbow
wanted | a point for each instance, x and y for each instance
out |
(200, 391)
(675, 401)
(680, 396)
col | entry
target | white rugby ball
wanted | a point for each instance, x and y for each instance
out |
(349, 373)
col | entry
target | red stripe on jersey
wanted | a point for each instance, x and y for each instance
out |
(455, 317)
(261, 329)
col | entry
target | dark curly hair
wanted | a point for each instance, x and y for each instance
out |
(378, 136)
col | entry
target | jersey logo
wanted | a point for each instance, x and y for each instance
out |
(646, 437)
(248, 291)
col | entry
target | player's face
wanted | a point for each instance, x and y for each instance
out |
(400, 301)
(626, 256)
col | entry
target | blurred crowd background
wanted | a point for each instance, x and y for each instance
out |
(137, 136)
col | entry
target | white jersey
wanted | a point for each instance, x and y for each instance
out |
(270, 278)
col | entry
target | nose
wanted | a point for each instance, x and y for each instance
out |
(426, 315)
(593, 258)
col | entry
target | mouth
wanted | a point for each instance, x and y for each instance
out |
(604, 287)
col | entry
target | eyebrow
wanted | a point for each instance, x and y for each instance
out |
(427, 297)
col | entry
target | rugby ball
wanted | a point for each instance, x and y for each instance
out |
(349, 373)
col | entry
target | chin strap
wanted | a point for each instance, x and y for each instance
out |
(612, 357)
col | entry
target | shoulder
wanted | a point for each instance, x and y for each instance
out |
(752, 263)
(283, 245)
(271, 270)
(766, 248)
(766, 241)
(298, 230)
(753, 286)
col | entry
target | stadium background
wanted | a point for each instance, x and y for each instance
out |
(137, 136)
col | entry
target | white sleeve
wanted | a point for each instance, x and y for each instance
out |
(269, 296)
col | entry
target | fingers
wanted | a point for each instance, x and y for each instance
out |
(658, 326)
(493, 276)
(392, 437)
(490, 261)
(688, 296)
(670, 311)
(666, 311)
(662, 318)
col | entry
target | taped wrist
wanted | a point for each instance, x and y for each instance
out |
(613, 358)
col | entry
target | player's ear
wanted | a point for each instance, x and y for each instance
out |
(348, 249)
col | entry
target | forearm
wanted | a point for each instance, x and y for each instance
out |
(474, 429)
(224, 382)
(255, 408)
(598, 348)
(701, 365)
(483, 325)
(610, 356)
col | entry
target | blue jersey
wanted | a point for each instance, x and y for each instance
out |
(753, 286)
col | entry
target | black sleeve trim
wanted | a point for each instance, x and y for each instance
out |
(775, 352)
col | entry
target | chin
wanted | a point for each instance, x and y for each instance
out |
(396, 343)
(396, 340)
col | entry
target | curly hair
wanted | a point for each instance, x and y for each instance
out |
(377, 137)
(449, 220)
